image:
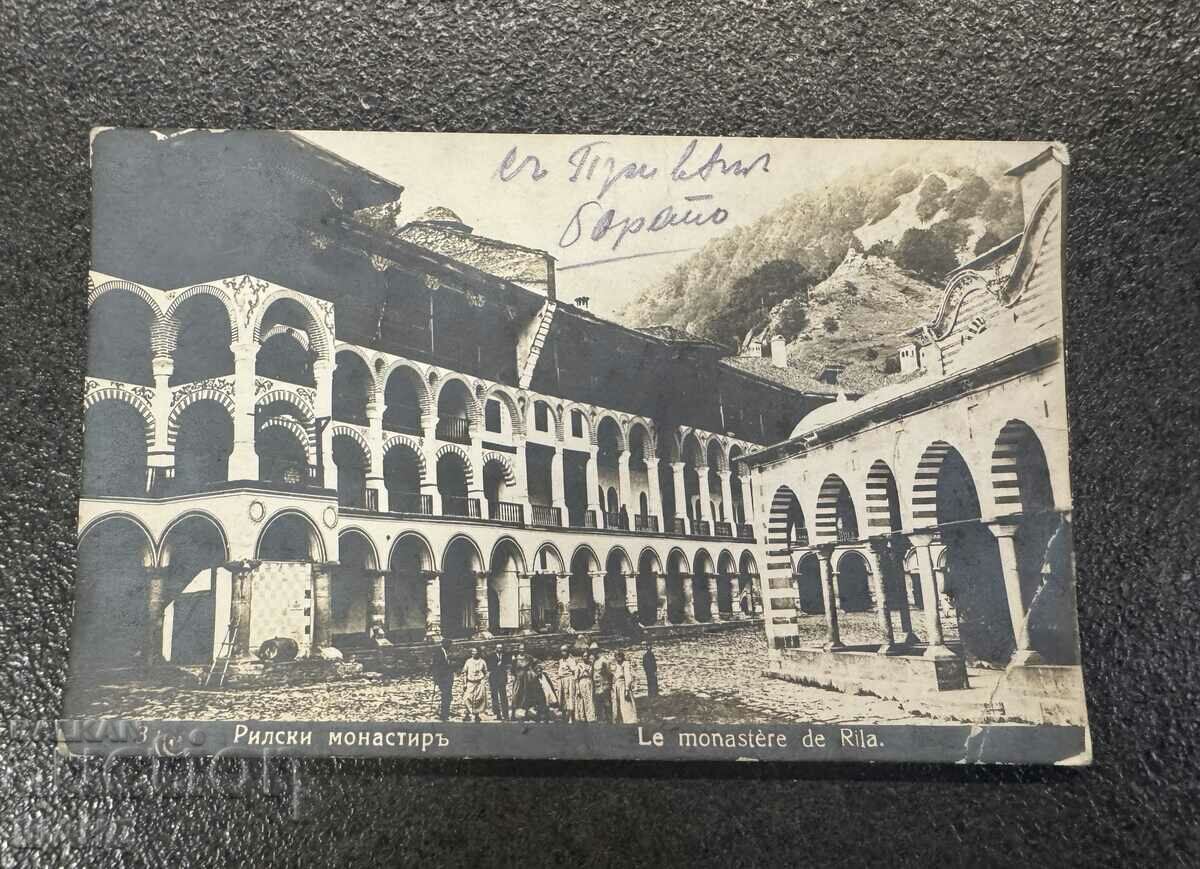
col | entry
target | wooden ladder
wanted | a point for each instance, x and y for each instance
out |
(222, 659)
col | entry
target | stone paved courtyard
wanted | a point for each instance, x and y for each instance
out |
(715, 678)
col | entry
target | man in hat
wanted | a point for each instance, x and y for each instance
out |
(499, 662)
(443, 677)
(602, 679)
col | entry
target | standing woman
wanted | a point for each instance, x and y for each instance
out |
(624, 680)
(475, 685)
(585, 708)
(567, 666)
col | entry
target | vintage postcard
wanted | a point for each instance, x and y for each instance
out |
(576, 446)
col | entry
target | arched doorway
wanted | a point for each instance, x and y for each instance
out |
(667, 450)
(727, 580)
(286, 352)
(584, 566)
(974, 581)
(116, 556)
(353, 388)
(678, 572)
(507, 613)
(693, 485)
(290, 536)
(543, 587)
(610, 443)
(203, 445)
(402, 479)
(857, 620)
(202, 340)
(196, 591)
(114, 450)
(461, 565)
(403, 396)
(410, 570)
(749, 593)
(739, 513)
(810, 599)
(649, 572)
(715, 460)
(616, 567)
(283, 443)
(352, 461)
(119, 327)
(353, 598)
(456, 412)
(453, 479)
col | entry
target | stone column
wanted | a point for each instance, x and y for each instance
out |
(833, 637)
(475, 489)
(521, 472)
(877, 557)
(689, 599)
(375, 442)
(660, 594)
(727, 497)
(241, 592)
(1005, 534)
(631, 595)
(161, 454)
(558, 485)
(677, 471)
(599, 602)
(593, 483)
(482, 624)
(735, 610)
(624, 484)
(322, 627)
(377, 606)
(747, 499)
(705, 495)
(323, 409)
(562, 593)
(429, 485)
(653, 495)
(156, 578)
(714, 606)
(525, 602)
(433, 607)
(243, 461)
(935, 642)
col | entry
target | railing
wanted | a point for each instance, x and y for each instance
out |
(700, 528)
(160, 481)
(722, 529)
(458, 505)
(454, 429)
(314, 475)
(410, 502)
(801, 541)
(745, 531)
(587, 520)
(551, 516)
(505, 511)
(372, 499)
(847, 535)
(645, 523)
(678, 526)
(615, 520)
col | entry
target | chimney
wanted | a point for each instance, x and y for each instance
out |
(582, 302)
(779, 352)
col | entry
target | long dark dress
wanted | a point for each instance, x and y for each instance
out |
(527, 687)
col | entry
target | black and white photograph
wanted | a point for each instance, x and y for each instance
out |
(579, 446)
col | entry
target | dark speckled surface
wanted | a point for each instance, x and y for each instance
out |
(1116, 82)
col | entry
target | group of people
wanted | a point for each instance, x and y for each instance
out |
(593, 686)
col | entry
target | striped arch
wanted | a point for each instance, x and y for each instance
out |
(468, 470)
(303, 408)
(298, 430)
(293, 332)
(317, 333)
(343, 430)
(1019, 472)
(474, 411)
(622, 440)
(515, 418)
(406, 443)
(564, 412)
(883, 500)
(375, 385)
(786, 513)
(510, 476)
(722, 452)
(693, 436)
(832, 491)
(172, 323)
(188, 399)
(925, 486)
(111, 393)
(424, 392)
(95, 292)
(650, 448)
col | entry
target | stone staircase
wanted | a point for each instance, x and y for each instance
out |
(529, 364)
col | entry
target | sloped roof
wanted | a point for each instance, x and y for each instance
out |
(674, 334)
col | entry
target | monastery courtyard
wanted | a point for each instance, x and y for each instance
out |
(713, 678)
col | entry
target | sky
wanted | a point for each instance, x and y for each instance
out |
(617, 212)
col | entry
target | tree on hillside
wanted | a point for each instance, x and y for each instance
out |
(926, 253)
(929, 202)
(752, 297)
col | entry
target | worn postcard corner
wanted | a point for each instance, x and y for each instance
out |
(576, 447)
